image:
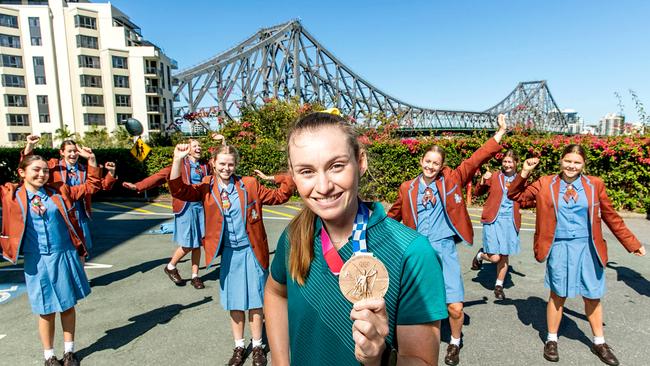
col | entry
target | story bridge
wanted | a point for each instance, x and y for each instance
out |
(286, 61)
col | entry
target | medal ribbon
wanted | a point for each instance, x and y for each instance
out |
(331, 255)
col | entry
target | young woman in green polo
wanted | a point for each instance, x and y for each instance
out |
(309, 321)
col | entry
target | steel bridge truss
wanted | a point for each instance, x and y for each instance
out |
(286, 61)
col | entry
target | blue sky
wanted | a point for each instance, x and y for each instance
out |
(464, 55)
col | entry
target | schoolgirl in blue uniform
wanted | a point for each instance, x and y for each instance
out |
(39, 221)
(70, 171)
(189, 218)
(501, 221)
(235, 230)
(571, 207)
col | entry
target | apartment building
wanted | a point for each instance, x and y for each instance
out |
(79, 64)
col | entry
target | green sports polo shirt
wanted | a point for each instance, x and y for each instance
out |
(320, 329)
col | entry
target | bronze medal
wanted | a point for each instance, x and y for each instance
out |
(363, 277)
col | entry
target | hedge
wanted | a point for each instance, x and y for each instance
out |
(622, 162)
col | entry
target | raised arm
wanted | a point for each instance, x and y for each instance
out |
(484, 184)
(152, 181)
(93, 183)
(469, 166)
(177, 187)
(521, 192)
(110, 178)
(31, 142)
(279, 195)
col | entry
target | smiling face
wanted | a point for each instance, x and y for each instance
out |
(571, 165)
(70, 154)
(508, 165)
(224, 166)
(431, 164)
(326, 172)
(195, 149)
(35, 174)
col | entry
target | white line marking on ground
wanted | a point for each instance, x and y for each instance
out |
(90, 265)
(2, 336)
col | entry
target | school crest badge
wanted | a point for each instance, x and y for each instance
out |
(457, 198)
(254, 214)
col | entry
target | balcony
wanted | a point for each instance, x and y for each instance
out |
(155, 109)
(152, 89)
(152, 70)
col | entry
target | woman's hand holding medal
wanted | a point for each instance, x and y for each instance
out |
(369, 330)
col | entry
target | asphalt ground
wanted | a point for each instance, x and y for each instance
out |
(136, 316)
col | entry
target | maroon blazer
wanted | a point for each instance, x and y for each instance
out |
(59, 173)
(450, 183)
(495, 186)
(162, 177)
(546, 190)
(252, 195)
(14, 203)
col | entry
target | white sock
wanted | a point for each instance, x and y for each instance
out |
(479, 256)
(498, 283)
(599, 340)
(551, 337)
(68, 347)
(240, 343)
(171, 267)
(455, 341)
(48, 353)
(194, 275)
(257, 342)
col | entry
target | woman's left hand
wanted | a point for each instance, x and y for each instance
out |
(640, 252)
(264, 176)
(369, 330)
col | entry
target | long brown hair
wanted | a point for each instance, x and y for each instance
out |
(301, 227)
(28, 160)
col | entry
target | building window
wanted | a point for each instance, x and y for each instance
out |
(92, 100)
(14, 137)
(11, 61)
(43, 109)
(154, 121)
(169, 78)
(7, 40)
(15, 100)
(92, 81)
(39, 70)
(87, 41)
(120, 81)
(123, 117)
(17, 119)
(89, 61)
(14, 81)
(85, 22)
(35, 31)
(120, 62)
(8, 21)
(122, 100)
(94, 119)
